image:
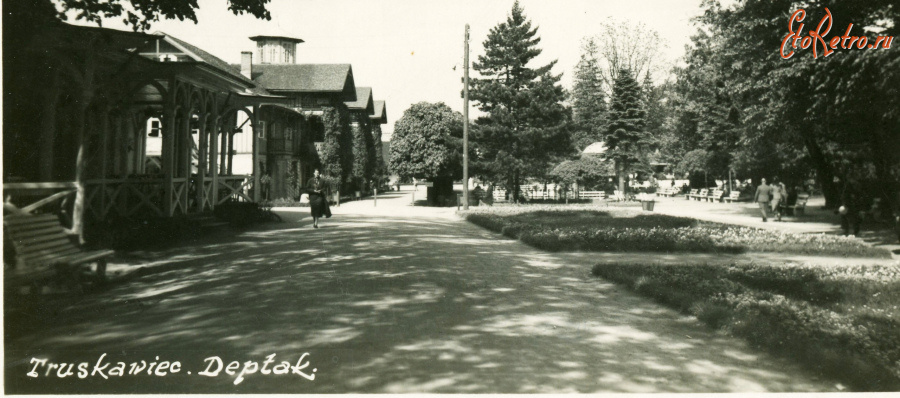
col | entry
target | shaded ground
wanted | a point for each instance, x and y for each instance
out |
(390, 299)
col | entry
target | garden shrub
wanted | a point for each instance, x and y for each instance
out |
(835, 325)
(620, 230)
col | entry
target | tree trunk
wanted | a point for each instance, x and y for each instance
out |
(825, 172)
(620, 174)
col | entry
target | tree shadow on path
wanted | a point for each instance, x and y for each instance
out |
(390, 305)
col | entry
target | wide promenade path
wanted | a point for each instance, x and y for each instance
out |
(390, 299)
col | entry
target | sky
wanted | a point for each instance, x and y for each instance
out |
(410, 51)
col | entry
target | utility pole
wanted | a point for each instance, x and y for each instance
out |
(466, 124)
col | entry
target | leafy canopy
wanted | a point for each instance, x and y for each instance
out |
(427, 142)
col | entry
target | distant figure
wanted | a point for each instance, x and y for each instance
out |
(762, 197)
(778, 197)
(489, 195)
(318, 204)
(477, 194)
(850, 209)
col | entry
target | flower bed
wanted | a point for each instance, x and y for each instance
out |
(585, 228)
(841, 321)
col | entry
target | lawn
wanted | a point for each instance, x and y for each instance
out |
(585, 228)
(841, 321)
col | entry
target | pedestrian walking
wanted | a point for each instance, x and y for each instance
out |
(850, 209)
(762, 198)
(779, 194)
(318, 202)
(488, 195)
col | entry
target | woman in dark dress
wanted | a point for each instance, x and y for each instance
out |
(318, 204)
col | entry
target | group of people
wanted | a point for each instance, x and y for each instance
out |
(771, 198)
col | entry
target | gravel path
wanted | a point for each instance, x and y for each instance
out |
(391, 299)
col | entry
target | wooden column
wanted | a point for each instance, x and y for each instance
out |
(229, 155)
(50, 100)
(187, 145)
(201, 161)
(168, 150)
(104, 158)
(255, 156)
(86, 80)
(213, 157)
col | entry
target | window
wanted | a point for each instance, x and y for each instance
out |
(155, 127)
(261, 130)
(289, 134)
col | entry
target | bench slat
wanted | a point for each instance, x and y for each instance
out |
(33, 239)
(17, 219)
(58, 243)
(50, 258)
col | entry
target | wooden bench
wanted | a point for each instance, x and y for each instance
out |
(715, 195)
(734, 196)
(701, 195)
(618, 196)
(592, 195)
(690, 195)
(799, 208)
(43, 250)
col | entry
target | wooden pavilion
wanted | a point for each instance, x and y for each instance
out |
(85, 100)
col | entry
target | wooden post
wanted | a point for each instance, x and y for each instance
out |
(213, 157)
(87, 95)
(229, 155)
(187, 149)
(168, 150)
(201, 162)
(466, 124)
(104, 156)
(50, 100)
(255, 156)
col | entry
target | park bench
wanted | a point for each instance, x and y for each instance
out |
(700, 195)
(690, 195)
(671, 191)
(715, 195)
(592, 195)
(618, 196)
(499, 195)
(799, 208)
(734, 196)
(43, 250)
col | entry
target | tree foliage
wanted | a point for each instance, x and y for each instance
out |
(589, 171)
(140, 14)
(427, 142)
(524, 131)
(331, 147)
(588, 99)
(826, 117)
(626, 137)
(627, 46)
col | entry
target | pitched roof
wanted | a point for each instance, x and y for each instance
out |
(597, 148)
(363, 100)
(271, 37)
(380, 112)
(200, 55)
(303, 77)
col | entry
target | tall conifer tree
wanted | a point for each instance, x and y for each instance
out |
(626, 137)
(588, 99)
(522, 134)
